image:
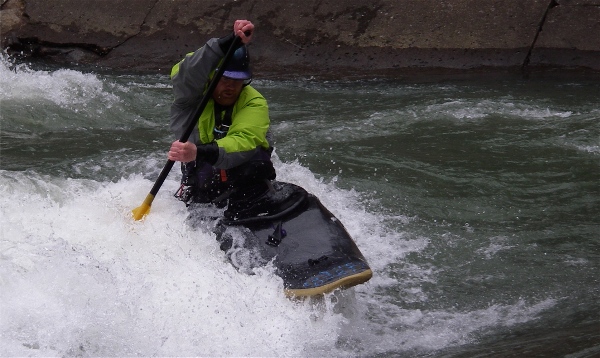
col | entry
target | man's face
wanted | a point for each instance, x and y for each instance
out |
(227, 91)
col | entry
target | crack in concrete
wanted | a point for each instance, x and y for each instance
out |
(34, 44)
(527, 59)
(140, 27)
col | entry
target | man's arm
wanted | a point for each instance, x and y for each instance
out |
(189, 78)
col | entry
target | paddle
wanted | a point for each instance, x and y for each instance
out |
(141, 211)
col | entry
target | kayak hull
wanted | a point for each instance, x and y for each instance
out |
(308, 246)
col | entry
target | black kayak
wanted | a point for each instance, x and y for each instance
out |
(289, 228)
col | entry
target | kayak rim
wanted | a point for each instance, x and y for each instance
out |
(343, 283)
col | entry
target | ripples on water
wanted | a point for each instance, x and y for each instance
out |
(475, 201)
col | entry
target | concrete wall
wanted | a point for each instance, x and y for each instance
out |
(313, 37)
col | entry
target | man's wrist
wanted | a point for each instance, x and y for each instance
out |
(207, 153)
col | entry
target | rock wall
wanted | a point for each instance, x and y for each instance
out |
(313, 37)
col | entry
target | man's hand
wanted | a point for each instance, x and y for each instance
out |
(182, 152)
(244, 29)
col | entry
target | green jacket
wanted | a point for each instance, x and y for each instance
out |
(248, 133)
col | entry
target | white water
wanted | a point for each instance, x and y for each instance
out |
(79, 277)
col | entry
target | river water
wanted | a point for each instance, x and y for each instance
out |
(476, 202)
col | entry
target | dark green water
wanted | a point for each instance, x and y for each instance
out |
(477, 203)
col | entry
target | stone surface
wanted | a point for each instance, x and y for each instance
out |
(313, 37)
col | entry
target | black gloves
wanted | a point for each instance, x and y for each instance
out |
(207, 153)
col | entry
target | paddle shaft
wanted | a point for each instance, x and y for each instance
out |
(211, 88)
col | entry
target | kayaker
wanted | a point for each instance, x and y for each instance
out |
(228, 155)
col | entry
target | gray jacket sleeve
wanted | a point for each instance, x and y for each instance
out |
(190, 81)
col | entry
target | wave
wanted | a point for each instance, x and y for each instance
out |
(477, 109)
(63, 87)
(65, 99)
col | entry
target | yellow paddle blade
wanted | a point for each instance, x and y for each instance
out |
(144, 209)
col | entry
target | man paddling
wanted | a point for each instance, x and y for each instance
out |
(228, 155)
